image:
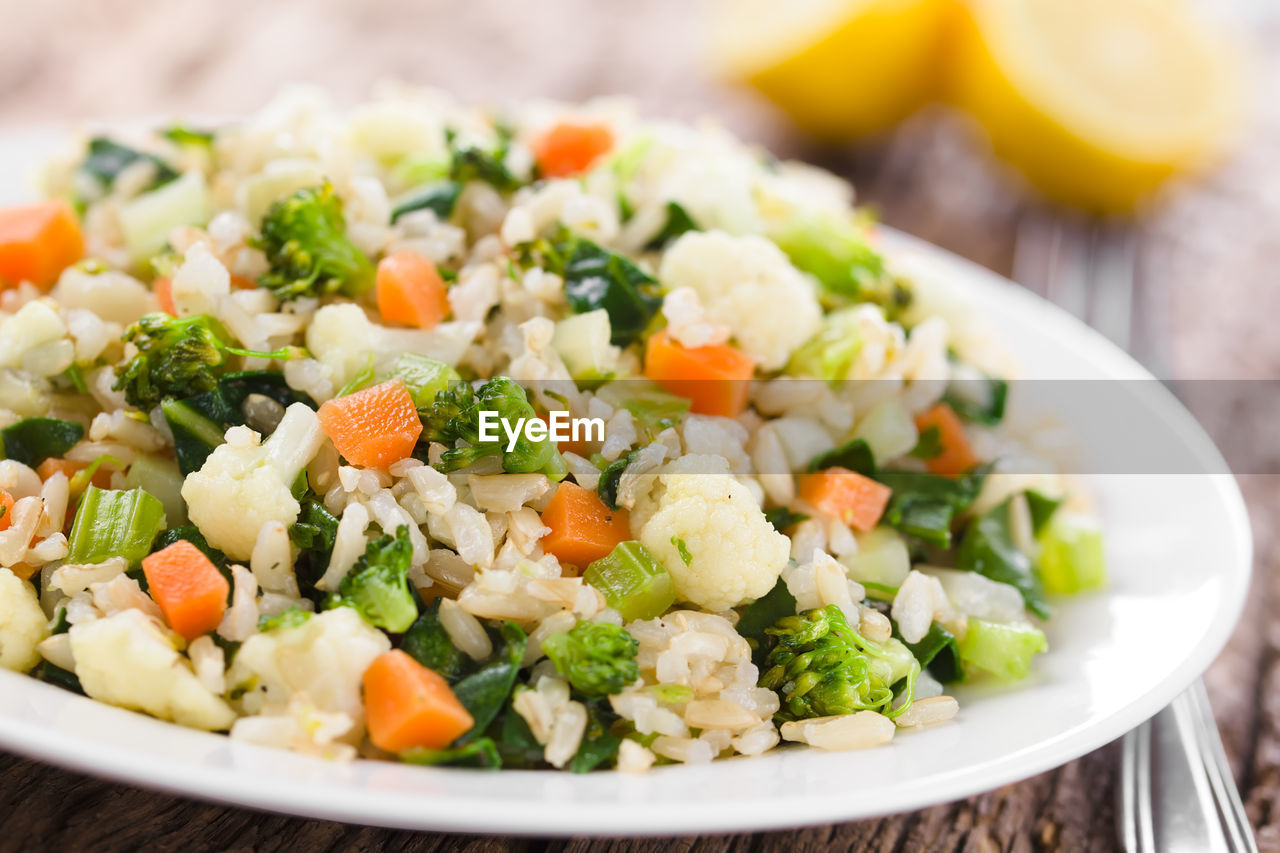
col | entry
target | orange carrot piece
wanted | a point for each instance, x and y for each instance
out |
(375, 427)
(163, 289)
(6, 509)
(957, 454)
(191, 592)
(714, 378)
(37, 242)
(856, 500)
(239, 282)
(410, 290)
(583, 529)
(407, 705)
(570, 148)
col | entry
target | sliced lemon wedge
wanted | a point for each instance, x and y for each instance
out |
(839, 68)
(1096, 101)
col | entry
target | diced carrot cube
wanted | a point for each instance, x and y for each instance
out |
(410, 290)
(570, 148)
(190, 590)
(957, 454)
(407, 705)
(37, 242)
(375, 427)
(715, 379)
(583, 529)
(856, 500)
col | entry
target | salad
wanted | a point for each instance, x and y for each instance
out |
(548, 437)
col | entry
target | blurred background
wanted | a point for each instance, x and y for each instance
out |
(1121, 157)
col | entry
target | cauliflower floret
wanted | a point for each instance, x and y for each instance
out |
(747, 284)
(324, 658)
(343, 339)
(22, 623)
(734, 553)
(34, 325)
(128, 660)
(244, 484)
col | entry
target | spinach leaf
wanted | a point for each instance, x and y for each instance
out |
(599, 745)
(472, 163)
(106, 159)
(440, 198)
(607, 486)
(925, 505)
(428, 643)
(929, 444)
(678, 222)
(33, 440)
(59, 677)
(485, 691)
(764, 613)
(981, 400)
(1042, 508)
(516, 743)
(481, 752)
(987, 548)
(236, 387)
(782, 518)
(313, 533)
(854, 455)
(939, 652)
(596, 278)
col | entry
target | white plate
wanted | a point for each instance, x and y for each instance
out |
(1178, 548)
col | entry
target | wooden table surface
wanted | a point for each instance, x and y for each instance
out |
(1206, 260)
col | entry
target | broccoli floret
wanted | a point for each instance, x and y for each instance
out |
(820, 666)
(598, 658)
(177, 357)
(377, 587)
(454, 416)
(305, 241)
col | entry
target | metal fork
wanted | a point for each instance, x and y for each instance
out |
(1176, 791)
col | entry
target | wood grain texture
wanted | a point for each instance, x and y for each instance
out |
(1207, 259)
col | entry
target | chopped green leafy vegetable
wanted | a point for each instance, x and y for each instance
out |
(305, 241)
(783, 518)
(835, 250)
(33, 440)
(938, 652)
(925, 505)
(377, 587)
(114, 523)
(481, 752)
(183, 135)
(473, 163)
(106, 159)
(820, 666)
(596, 278)
(854, 455)
(597, 658)
(988, 548)
(291, 618)
(428, 643)
(632, 581)
(455, 416)
(831, 353)
(929, 444)
(762, 614)
(683, 550)
(981, 400)
(607, 485)
(484, 692)
(599, 744)
(424, 377)
(439, 197)
(678, 222)
(1042, 507)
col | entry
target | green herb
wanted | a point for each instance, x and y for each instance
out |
(607, 485)
(106, 159)
(987, 548)
(632, 581)
(75, 375)
(683, 550)
(33, 440)
(188, 136)
(597, 658)
(377, 587)
(291, 618)
(114, 523)
(783, 519)
(440, 198)
(854, 455)
(678, 222)
(304, 239)
(929, 444)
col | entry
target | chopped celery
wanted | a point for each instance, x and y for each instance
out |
(162, 479)
(882, 558)
(1071, 558)
(33, 440)
(834, 249)
(424, 377)
(888, 430)
(582, 340)
(114, 523)
(147, 220)
(1002, 649)
(831, 353)
(632, 582)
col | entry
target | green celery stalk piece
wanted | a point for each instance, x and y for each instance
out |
(1004, 650)
(424, 377)
(115, 523)
(632, 581)
(1071, 559)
